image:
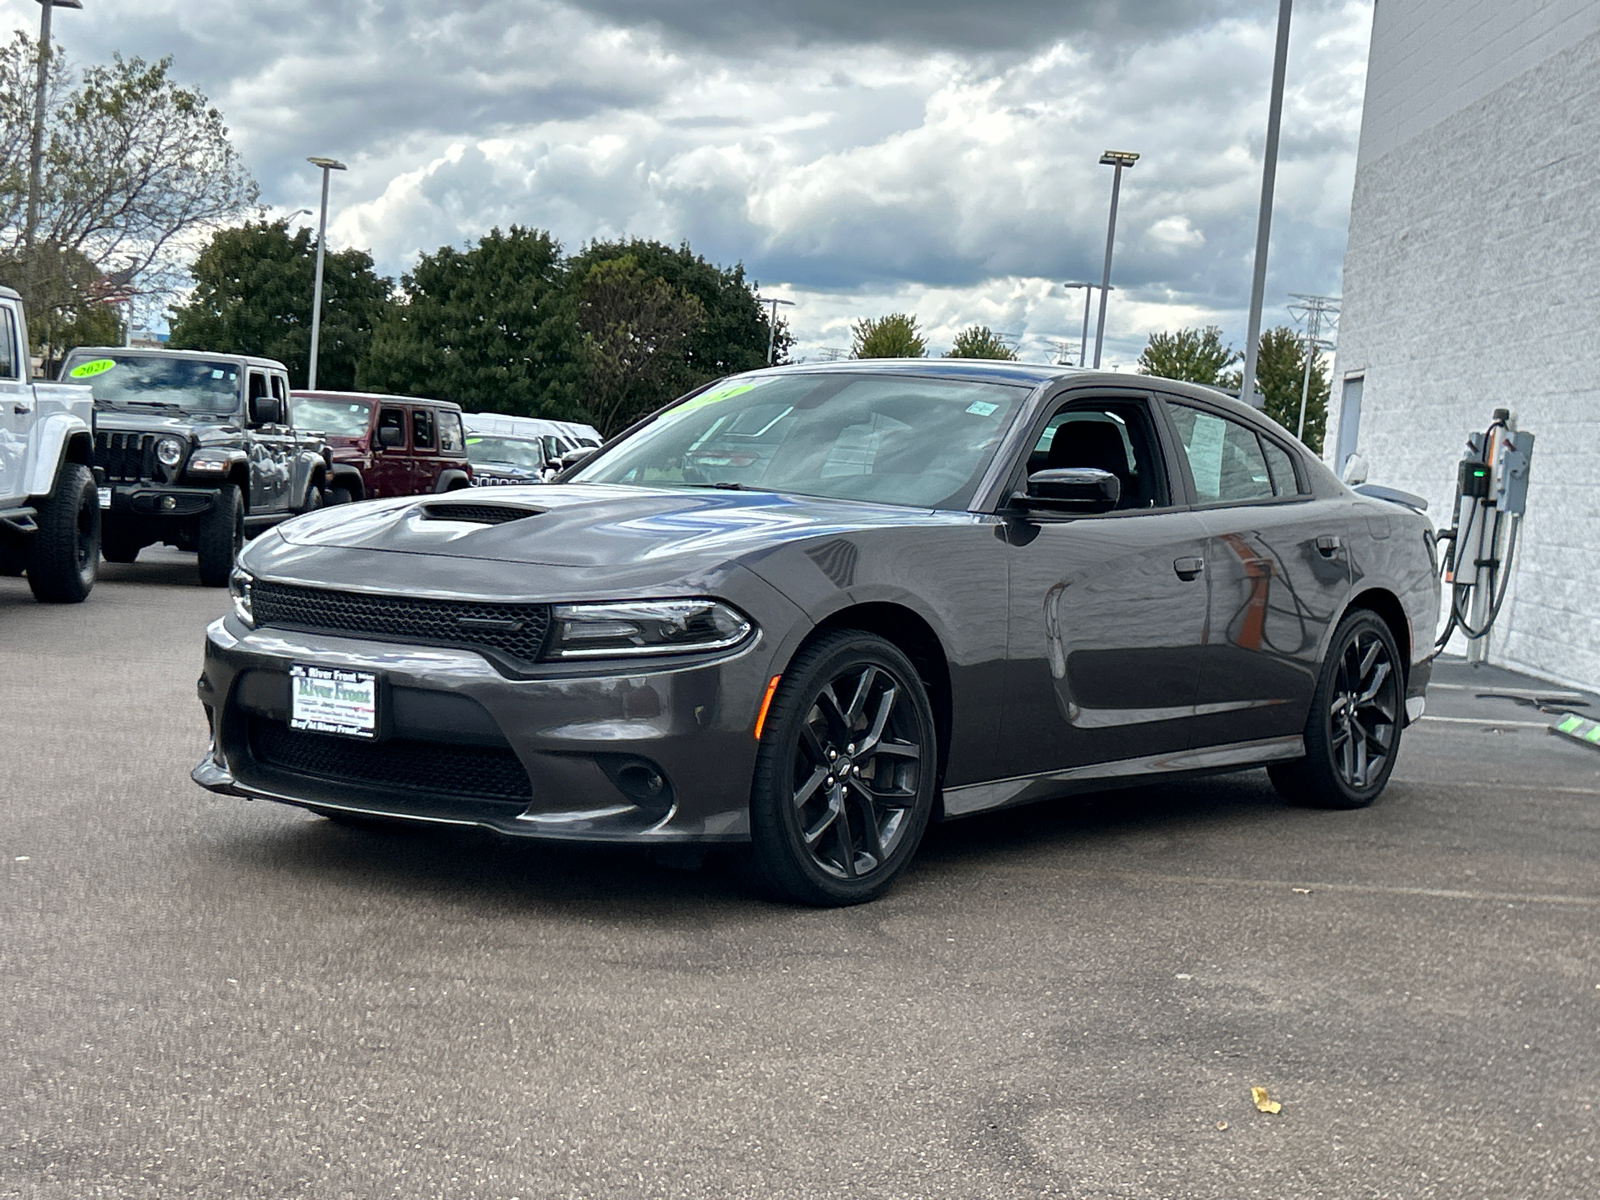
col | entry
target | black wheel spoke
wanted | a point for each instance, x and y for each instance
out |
(847, 842)
(899, 750)
(858, 701)
(808, 789)
(838, 723)
(885, 710)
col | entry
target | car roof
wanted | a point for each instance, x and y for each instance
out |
(202, 355)
(9, 293)
(319, 394)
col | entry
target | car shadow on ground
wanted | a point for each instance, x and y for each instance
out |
(169, 569)
(480, 869)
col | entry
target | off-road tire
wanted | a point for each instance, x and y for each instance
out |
(340, 495)
(314, 498)
(221, 536)
(1348, 761)
(64, 554)
(837, 839)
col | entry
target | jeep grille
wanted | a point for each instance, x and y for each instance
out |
(126, 457)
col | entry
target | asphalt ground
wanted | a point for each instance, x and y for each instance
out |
(206, 997)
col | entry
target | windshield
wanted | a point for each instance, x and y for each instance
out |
(885, 438)
(504, 451)
(194, 385)
(341, 418)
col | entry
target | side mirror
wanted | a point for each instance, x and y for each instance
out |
(389, 437)
(573, 457)
(1080, 488)
(1355, 470)
(265, 410)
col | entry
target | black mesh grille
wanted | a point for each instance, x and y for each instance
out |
(481, 514)
(126, 457)
(514, 631)
(431, 768)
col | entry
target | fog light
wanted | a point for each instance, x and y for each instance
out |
(640, 781)
(168, 503)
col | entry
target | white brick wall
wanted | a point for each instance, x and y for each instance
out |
(1472, 281)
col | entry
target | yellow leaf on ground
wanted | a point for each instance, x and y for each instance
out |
(1264, 1102)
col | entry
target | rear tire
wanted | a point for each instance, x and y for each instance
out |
(314, 499)
(1353, 731)
(339, 495)
(846, 773)
(64, 555)
(221, 537)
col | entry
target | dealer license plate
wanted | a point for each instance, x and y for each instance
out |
(331, 700)
(105, 497)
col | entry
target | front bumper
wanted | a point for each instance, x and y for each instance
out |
(449, 720)
(156, 501)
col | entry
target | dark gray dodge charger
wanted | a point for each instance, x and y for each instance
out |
(814, 608)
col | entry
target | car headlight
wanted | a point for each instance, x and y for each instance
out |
(239, 583)
(170, 451)
(632, 628)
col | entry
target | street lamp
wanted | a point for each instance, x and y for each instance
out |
(772, 326)
(36, 149)
(1118, 159)
(1269, 175)
(1083, 342)
(326, 165)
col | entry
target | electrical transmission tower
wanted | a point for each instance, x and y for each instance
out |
(1313, 311)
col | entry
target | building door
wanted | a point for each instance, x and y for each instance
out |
(1349, 422)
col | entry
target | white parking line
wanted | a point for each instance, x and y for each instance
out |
(1488, 721)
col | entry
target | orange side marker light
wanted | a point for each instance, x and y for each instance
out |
(766, 703)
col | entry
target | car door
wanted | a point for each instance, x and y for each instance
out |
(424, 450)
(16, 408)
(391, 464)
(1107, 612)
(1279, 569)
(268, 468)
(296, 470)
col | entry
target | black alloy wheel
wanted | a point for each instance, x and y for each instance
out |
(1353, 731)
(846, 773)
(64, 557)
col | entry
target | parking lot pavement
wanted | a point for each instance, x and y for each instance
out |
(202, 996)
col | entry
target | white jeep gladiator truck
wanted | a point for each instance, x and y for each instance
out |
(49, 501)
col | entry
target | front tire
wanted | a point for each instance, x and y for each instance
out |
(314, 499)
(339, 495)
(846, 773)
(64, 554)
(221, 537)
(1353, 731)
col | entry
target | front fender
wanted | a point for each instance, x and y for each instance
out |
(452, 479)
(51, 437)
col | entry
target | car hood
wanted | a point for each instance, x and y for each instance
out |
(599, 525)
(157, 422)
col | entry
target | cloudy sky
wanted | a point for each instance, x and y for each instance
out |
(931, 156)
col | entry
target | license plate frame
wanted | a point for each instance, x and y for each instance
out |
(340, 701)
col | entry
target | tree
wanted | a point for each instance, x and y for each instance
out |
(254, 286)
(894, 336)
(1280, 375)
(72, 303)
(980, 342)
(134, 165)
(492, 328)
(734, 328)
(635, 330)
(1193, 355)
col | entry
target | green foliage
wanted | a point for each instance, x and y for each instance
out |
(980, 342)
(492, 327)
(70, 305)
(894, 336)
(1193, 355)
(253, 291)
(134, 163)
(1280, 376)
(637, 331)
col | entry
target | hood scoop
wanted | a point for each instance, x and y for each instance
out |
(477, 514)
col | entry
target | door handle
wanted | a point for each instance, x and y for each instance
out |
(22, 410)
(1328, 545)
(1188, 568)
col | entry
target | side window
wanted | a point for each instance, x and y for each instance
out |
(450, 438)
(8, 344)
(392, 418)
(422, 429)
(258, 385)
(1285, 480)
(1112, 435)
(1224, 457)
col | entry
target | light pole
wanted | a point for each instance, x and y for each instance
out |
(1083, 341)
(326, 164)
(1269, 175)
(1118, 159)
(30, 223)
(772, 326)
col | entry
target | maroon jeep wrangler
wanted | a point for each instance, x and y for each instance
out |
(386, 445)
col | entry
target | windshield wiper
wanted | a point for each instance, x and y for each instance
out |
(726, 485)
(162, 404)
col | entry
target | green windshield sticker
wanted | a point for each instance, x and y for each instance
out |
(979, 408)
(1571, 723)
(89, 370)
(711, 397)
(474, 441)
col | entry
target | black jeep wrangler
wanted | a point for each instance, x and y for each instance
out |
(194, 449)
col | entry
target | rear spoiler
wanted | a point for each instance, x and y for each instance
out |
(1393, 495)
